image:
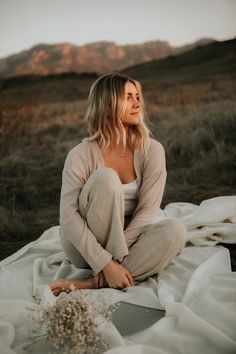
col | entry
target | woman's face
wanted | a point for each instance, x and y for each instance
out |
(132, 105)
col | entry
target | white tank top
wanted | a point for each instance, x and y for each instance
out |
(130, 190)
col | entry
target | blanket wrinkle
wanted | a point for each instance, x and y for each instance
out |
(213, 210)
(197, 290)
(217, 263)
(174, 280)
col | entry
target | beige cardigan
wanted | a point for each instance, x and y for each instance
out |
(80, 163)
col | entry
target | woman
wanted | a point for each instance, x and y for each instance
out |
(112, 187)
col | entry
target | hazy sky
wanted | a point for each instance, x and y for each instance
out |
(24, 23)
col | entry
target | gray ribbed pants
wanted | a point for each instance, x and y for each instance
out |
(101, 203)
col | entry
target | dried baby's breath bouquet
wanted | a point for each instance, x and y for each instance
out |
(71, 323)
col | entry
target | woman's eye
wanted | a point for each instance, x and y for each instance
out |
(130, 97)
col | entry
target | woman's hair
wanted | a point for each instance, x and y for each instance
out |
(106, 109)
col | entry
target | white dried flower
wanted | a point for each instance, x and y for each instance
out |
(71, 324)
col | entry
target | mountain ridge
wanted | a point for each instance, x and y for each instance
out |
(100, 57)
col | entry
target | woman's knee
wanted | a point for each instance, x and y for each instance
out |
(180, 232)
(173, 230)
(103, 185)
(177, 234)
(105, 178)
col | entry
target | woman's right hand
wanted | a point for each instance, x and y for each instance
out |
(117, 276)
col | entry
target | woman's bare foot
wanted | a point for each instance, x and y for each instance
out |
(67, 285)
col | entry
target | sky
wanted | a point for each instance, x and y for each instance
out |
(25, 23)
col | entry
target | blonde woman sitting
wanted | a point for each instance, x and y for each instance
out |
(112, 188)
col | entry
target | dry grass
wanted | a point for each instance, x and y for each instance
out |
(200, 150)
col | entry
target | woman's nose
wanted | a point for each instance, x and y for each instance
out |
(136, 103)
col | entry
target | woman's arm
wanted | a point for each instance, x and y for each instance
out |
(74, 227)
(150, 193)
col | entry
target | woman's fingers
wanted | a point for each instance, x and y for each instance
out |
(130, 279)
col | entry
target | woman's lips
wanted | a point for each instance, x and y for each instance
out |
(134, 113)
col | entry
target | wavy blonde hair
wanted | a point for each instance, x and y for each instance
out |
(106, 109)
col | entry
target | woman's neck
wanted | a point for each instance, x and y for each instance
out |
(120, 145)
(118, 148)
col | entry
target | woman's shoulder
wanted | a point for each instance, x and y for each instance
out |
(154, 159)
(82, 147)
(81, 151)
(155, 147)
(77, 150)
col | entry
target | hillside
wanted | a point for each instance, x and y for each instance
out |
(201, 62)
(98, 57)
(191, 106)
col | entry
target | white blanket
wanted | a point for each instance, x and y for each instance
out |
(197, 290)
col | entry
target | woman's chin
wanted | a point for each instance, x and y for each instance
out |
(131, 123)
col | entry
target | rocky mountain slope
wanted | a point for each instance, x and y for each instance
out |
(98, 57)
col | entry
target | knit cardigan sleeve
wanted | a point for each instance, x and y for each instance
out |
(73, 225)
(153, 179)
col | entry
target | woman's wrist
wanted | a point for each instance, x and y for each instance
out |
(109, 265)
